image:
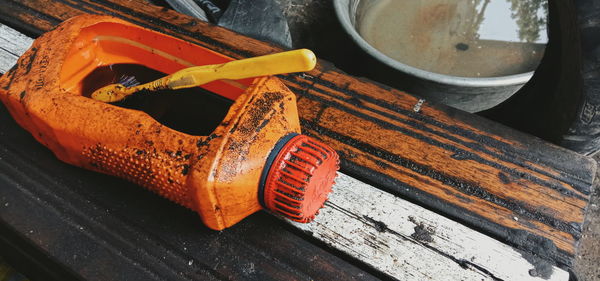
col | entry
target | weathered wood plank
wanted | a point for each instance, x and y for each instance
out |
(12, 45)
(392, 235)
(13, 42)
(466, 167)
(5, 59)
(411, 243)
(37, 22)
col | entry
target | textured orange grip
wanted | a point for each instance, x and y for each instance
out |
(160, 172)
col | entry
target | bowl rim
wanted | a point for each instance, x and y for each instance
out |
(341, 11)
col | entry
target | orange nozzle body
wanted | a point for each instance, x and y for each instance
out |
(254, 159)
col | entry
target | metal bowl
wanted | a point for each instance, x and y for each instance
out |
(468, 94)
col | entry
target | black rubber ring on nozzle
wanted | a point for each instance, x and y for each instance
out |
(263, 177)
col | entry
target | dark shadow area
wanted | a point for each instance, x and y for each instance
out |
(193, 111)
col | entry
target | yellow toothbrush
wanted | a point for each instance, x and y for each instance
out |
(285, 62)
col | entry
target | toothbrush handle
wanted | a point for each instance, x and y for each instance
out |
(279, 63)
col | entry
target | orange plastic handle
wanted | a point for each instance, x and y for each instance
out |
(216, 175)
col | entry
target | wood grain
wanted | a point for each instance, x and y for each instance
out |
(12, 45)
(468, 168)
(409, 242)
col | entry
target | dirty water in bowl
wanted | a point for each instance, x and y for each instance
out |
(465, 38)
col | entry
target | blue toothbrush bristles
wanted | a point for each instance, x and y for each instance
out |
(128, 81)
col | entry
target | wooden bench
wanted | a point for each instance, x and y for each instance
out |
(430, 191)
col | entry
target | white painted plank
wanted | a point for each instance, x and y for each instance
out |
(377, 227)
(12, 45)
(7, 60)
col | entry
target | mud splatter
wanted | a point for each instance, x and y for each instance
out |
(422, 232)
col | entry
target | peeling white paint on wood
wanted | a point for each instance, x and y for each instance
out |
(379, 228)
(12, 45)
